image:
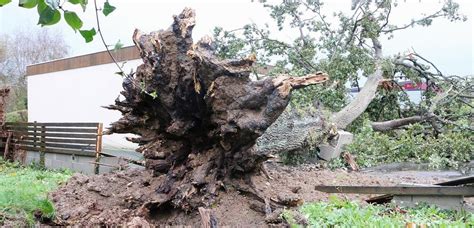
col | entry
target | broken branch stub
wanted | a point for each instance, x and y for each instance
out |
(201, 128)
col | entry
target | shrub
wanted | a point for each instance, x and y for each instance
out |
(446, 150)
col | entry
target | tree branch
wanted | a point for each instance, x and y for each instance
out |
(393, 124)
(354, 109)
(413, 22)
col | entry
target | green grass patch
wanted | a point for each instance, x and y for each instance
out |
(23, 191)
(341, 213)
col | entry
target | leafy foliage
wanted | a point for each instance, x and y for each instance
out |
(340, 46)
(448, 149)
(49, 12)
(23, 191)
(340, 213)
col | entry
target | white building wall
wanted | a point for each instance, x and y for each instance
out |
(77, 95)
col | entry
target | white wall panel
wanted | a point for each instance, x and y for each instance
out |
(77, 95)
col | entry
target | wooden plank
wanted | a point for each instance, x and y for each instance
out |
(53, 129)
(35, 130)
(459, 181)
(98, 148)
(120, 55)
(62, 140)
(57, 135)
(52, 124)
(400, 190)
(57, 145)
(456, 182)
(60, 151)
(42, 148)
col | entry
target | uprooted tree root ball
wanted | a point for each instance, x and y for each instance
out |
(198, 119)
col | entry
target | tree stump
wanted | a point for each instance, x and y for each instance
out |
(198, 117)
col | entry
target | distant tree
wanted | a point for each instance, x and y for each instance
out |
(22, 48)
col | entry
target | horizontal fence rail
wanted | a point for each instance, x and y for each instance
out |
(83, 139)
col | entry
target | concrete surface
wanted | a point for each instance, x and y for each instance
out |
(333, 149)
(75, 163)
(444, 202)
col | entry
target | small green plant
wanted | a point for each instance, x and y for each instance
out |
(23, 191)
(341, 213)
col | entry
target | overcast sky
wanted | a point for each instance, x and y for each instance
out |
(448, 45)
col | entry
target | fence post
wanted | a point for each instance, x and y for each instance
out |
(34, 135)
(98, 148)
(43, 146)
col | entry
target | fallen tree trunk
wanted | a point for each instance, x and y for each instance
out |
(197, 117)
(299, 134)
(360, 103)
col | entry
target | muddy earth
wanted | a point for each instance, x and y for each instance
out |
(118, 198)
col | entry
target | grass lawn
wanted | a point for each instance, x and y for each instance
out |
(340, 213)
(23, 192)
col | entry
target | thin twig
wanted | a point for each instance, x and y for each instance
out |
(435, 15)
(102, 37)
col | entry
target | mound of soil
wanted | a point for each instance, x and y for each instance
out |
(119, 198)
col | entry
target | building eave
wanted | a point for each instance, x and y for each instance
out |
(93, 59)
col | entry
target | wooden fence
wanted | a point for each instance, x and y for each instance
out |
(83, 139)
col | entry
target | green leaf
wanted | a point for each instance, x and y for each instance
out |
(108, 8)
(154, 95)
(88, 34)
(73, 20)
(49, 16)
(118, 45)
(83, 3)
(28, 3)
(41, 6)
(4, 2)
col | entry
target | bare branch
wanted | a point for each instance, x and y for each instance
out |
(393, 124)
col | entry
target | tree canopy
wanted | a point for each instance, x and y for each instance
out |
(348, 47)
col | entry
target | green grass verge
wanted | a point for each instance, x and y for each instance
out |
(340, 213)
(23, 191)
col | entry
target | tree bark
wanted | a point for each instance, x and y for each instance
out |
(394, 124)
(198, 117)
